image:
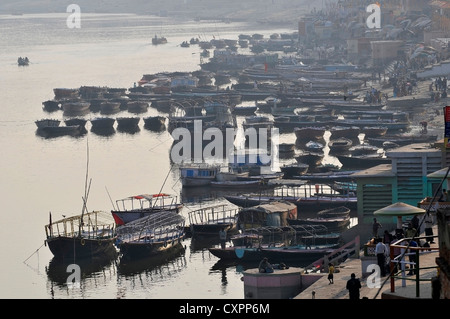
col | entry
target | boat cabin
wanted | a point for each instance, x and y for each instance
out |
(274, 213)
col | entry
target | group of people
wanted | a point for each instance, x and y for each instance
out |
(440, 84)
(412, 231)
(373, 96)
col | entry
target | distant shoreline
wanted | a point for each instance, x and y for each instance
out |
(285, 13)
(182, 18)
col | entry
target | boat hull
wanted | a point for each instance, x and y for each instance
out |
(103, 123)
(196, 181)
(362, 162)
(274, 254)
(212, 229)
(140, 250)
(74, 247)
(330, 223)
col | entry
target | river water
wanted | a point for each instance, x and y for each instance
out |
(40, 175)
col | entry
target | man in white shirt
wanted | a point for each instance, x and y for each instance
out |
(380, 250)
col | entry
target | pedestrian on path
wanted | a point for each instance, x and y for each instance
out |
(331, 273)
(353, 286)
(376, 227)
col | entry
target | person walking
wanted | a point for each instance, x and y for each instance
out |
(331, 273)
(380, 250)
(429, 228)
(353, 286)
(376, 227)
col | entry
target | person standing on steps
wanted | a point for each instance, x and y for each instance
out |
(376, 227)
(353, 286)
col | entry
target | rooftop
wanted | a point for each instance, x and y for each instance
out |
(382, 170)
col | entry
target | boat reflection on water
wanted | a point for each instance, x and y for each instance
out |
(103, 131)
(128, 129)
(241, 266)
(203, 243)
(153, 264)
(59, 270)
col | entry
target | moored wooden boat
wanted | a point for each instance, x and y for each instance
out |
(245, 109)
(137, 106)
(374, 131)
(127, 122)
(332, 223)
(47, 123)
(363, 149)
(77, 107)
(298, 253)
(61, 130)
(134, 207)
(294, 169)
(51, 105)
(152, 236)
(350, 132)
(87, 235)
(309, 132)
(311, 158)
(209, 221)
(362, 161)
(402, 139)
(267, 213)
(198, 175)
(102, 122)
(76, 121)
(109, 107)
(65, 93)
(340, 145)
(159, 40)
(155, 123)
(340, 211)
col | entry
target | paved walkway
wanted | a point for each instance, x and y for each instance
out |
(323, 290)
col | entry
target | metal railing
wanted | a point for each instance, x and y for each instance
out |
(336, 256)
(401, 249)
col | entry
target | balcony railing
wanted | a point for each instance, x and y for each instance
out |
(419, 273)
(425, 203)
